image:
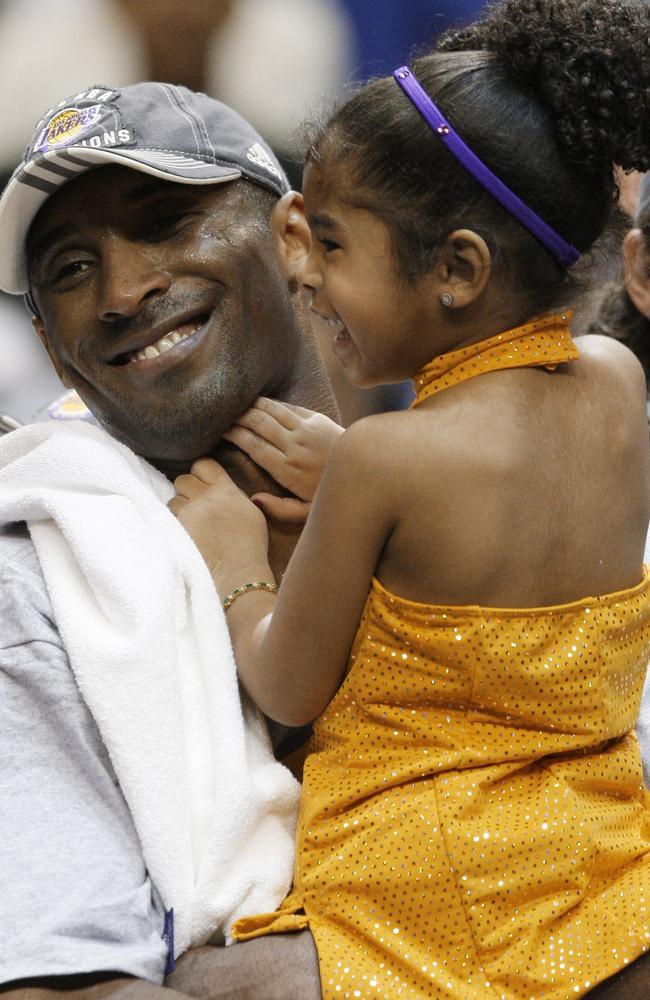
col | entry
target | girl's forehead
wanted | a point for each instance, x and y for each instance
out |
(316, 181)
(325, 180)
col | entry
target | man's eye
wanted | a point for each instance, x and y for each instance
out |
(167, 223)
(66, 270)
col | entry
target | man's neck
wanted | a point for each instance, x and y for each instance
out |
(307, 386)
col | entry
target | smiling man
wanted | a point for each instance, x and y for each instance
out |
(159, 270)
(152, 233)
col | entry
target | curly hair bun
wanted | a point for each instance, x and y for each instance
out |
(587, 61)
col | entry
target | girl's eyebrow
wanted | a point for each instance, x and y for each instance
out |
(323, 221)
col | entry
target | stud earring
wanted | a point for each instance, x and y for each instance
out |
(447, 299)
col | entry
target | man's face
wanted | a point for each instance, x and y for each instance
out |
(164, 305)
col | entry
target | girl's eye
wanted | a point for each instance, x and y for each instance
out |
(329, 245)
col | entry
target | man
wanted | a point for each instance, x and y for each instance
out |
(152, 234)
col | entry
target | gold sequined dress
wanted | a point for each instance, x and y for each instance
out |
(473, 821)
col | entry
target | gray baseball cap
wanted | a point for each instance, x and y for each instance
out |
(167, 131)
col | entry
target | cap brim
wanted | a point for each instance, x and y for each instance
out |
(33, 183)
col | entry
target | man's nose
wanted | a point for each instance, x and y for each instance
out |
(131, 276)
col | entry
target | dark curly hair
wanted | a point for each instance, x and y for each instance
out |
(548, 93)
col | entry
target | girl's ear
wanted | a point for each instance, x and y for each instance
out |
(636, 270)
(463, 267)
(42, 336)
(290, 233)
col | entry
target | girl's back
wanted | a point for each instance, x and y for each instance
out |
(520, 488)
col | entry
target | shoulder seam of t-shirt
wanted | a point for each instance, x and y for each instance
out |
(24, 553)
(22, 566)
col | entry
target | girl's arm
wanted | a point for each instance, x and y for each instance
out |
(292, 650)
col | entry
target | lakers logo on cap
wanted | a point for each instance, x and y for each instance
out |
(68, 126)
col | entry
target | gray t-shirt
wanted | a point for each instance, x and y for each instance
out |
(76, 896)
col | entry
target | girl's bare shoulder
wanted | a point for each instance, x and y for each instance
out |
(607, 357)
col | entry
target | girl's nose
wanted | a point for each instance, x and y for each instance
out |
(309, 273)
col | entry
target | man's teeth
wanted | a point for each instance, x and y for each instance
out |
(164, 344)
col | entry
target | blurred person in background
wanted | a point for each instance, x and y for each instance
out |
(625, 310)
(386, 31)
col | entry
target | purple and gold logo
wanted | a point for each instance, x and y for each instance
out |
(68, 126)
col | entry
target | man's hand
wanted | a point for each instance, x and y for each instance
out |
(229, 531)
(293, 445)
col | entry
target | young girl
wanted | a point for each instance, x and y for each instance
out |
(466, 615)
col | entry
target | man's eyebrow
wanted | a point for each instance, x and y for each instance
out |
(151, 187)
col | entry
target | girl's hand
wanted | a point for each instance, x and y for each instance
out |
(293, 445)
(229, 531)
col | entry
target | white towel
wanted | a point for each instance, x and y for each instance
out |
(149, 648)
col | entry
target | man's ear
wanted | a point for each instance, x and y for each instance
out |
(37, 323)
(636, 261)
(463, 267)
(290, 233)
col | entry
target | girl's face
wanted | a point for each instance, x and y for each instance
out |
(383, 327)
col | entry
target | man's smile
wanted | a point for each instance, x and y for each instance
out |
(180, 335)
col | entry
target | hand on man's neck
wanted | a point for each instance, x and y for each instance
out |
(308, 387)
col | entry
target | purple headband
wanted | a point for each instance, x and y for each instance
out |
(565, 252)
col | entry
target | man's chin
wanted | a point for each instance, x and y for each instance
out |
(167, 451)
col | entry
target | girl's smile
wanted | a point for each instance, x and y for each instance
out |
(382, 324)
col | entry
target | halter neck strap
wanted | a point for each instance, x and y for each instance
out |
(544, 342)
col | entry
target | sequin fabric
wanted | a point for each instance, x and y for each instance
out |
(543, 342)
(473, 821)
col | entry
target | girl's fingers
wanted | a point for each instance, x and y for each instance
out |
(266, 426)
(208, 471)
(265, 454)
(285, 510)
(286, 414)
(176, 504)
(188, 486)
(205, 472)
